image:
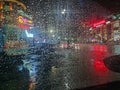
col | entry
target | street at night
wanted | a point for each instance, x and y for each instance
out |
(59, 45)
(75, 68)
(83, 68)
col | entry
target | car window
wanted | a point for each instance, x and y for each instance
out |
(57, 44)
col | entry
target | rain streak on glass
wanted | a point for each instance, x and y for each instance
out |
(56, 44)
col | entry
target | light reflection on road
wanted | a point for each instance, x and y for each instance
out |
(79, 68)
(86, 69)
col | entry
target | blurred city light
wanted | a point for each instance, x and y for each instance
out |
(99, 23)
(51, 31)
(58, 37)
(28, 34)
(63, 12)
(53, 35)
(108, 22)
(90, 28)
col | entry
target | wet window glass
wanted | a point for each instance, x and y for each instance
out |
(59, 45)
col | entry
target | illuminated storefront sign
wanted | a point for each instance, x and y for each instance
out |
(99, 23)
(27, 27)
(23, 20)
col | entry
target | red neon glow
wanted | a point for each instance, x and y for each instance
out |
(22, 26)
(99, 23)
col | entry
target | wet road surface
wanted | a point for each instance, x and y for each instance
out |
(67, 69)
(77, 68)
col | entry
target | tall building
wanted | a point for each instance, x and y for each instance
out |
(107, 30)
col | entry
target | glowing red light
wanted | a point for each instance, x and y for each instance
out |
(98, 53)
(99, 23)
(101, 48)
(22, 26)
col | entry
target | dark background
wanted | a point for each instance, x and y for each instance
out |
(112, 5)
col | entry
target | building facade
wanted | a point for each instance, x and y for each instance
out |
(9, 11)
(107, 31)
(14, 26)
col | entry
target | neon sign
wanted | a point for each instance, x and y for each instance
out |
(24, 26)
(99, 23)
(23, 20)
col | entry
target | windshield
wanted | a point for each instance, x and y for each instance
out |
(57, 44)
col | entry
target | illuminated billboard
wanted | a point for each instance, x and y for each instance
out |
(23, 20)
(99, 23)
(24, 23)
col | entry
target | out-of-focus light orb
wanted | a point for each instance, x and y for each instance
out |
(53, 35)
(90, 28)
(63, 12)
(58, 37)
(51, 31)
(65, 38)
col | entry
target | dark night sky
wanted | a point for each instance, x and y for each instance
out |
(112, 5)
